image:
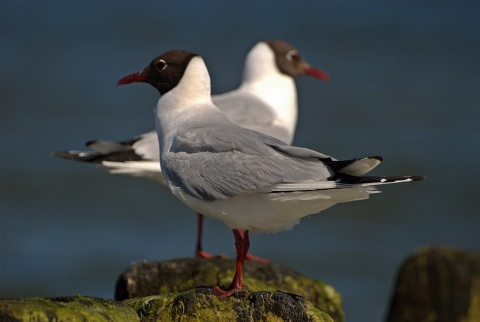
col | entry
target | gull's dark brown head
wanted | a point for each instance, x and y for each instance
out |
(290, 62)
(164, 72)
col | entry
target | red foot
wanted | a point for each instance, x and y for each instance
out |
(200, 253)
(257, 259)
(242, 244)
(222, 294)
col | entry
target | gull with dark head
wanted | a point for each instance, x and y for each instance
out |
(246, 179)
(266, 101)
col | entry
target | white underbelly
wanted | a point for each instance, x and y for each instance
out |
(271, 212)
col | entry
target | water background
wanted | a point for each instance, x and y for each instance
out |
(405, 84)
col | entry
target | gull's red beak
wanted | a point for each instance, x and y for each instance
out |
(133, 78)
(317, 73)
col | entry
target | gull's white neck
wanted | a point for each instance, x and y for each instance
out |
(263, 78)
(183, 101)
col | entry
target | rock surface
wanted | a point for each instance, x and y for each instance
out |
(438, 284)
(181, 290)
(72, 308)
(152, 278)
(245, 306)
(194, 305)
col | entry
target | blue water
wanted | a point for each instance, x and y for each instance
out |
(405, 84)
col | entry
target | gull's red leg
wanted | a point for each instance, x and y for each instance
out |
(199, 252)
(254, 258)
(242, 244)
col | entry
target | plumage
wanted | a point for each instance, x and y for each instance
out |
(266, 101)
(246, 179)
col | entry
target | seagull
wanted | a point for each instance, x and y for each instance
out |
(250, 181)
(266, 101)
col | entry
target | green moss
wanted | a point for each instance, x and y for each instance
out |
(200, 305)
(75, 308)
(438, 283)
(167, 277)
(170, 307)
(320, 294)
(269, 317)
(317, 314)
(474, 309)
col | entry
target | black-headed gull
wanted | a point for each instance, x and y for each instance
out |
(246, 179)
(266, 102)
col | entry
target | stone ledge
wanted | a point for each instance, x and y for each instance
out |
(71, 308)
(199, 305)
(149, 278)
(437, 284)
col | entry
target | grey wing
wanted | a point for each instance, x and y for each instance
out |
(225, 162)
(244, 109)
(224, 136)
(298, 152)
(353, 167)
(250, 112)
(213, 176)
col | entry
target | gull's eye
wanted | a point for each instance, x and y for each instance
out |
(292, 55)
(160, 64)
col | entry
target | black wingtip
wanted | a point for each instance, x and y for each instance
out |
(83, 156)
(418, 178)
(345, 178)
(63, 155)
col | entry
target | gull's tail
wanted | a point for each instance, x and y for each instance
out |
(137, 157)
(374, 180)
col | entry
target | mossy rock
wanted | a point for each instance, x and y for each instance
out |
(149, 278)
(245, 306)
(72, 309)
(438, 284)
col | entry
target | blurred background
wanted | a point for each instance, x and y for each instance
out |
(405, 84)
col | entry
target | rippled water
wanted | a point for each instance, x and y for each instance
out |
(404, 85)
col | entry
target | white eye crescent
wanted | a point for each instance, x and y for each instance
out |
(292, 55)
(161, 64)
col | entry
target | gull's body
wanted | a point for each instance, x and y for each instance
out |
(248, 180)
(266, 101)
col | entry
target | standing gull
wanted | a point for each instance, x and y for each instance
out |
(266, 102)
(246, 179)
